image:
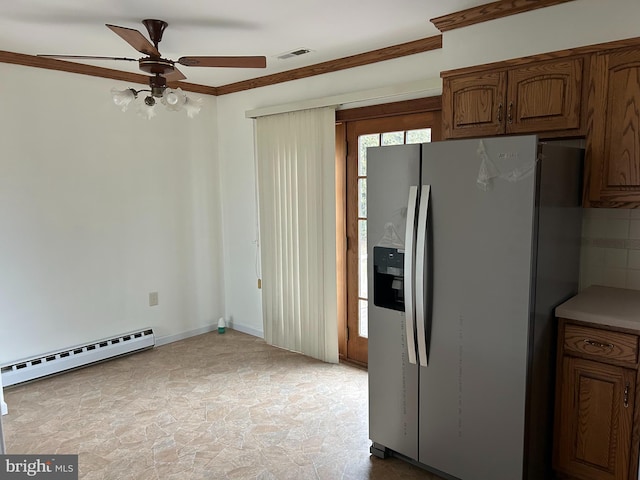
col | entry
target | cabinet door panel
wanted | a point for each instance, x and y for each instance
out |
(545, 97)
(595, 419)
(596, 416)
(622, 141)
(613, 143)
(474, 105)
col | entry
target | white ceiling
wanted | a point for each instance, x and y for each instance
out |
(330, 28)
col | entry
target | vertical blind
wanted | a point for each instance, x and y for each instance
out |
(297, 202)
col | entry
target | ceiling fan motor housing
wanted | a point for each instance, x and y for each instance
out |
(156, 66)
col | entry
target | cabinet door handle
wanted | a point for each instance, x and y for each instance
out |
(595, 343)
(626, 395)
(509, 116)
(500, 113)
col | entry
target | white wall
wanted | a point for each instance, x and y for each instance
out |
(578, 23)
(571, 24)
(98, 208)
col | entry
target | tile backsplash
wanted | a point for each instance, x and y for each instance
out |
(610, 253)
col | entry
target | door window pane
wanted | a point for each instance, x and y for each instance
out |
(364, 141)
(422, 135)
(362, 259)
(362, 195)
(363, 321)
(393, 138)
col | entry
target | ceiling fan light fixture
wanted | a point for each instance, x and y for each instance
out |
(123, 98)
(173, 100)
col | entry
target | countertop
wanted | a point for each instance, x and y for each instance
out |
(616, 307)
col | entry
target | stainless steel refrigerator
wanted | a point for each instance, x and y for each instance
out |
(471, 244)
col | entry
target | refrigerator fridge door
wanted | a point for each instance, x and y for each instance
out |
(472, 393)
(393, 378)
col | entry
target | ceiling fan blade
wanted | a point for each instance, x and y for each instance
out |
(238, 62)
(175, 76)
(88, 57)
(136, 40)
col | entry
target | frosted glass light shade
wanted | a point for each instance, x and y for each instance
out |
(146, 111)
(123, 98)
(173, 100)
(192, 106)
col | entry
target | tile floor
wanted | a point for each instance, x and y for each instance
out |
(209, 407)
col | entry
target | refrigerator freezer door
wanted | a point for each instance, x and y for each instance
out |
(409, 274)
(393, 380)
(472, 394)
(423, 308)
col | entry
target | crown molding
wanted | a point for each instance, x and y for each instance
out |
(70, 67)
(380, 55)
(490, 11)
(82, 69)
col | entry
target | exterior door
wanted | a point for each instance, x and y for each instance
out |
(361, 134)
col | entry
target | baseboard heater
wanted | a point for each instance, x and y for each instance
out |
(76, 357)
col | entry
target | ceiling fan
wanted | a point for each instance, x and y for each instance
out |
(164, 69)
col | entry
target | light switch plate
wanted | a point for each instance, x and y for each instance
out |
(153, 299)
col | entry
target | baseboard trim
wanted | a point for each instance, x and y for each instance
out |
(247, 330)
(206, 329)
(183, 335)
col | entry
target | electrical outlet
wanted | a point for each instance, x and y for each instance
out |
(153, 299)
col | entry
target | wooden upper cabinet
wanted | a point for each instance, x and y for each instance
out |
(613, 139)
(538, 97)
(545, 97)
(474, 105)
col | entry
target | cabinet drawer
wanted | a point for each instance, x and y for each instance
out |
(601, 344)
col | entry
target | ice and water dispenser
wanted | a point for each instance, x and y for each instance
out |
(388, 278)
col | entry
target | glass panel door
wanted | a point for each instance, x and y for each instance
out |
(416, 128)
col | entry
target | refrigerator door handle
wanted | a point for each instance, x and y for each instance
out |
(409, 264)
(422, 277)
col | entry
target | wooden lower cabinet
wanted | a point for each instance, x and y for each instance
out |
(595, 405)
(595, 435)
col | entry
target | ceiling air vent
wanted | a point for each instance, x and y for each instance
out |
(293, 53)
